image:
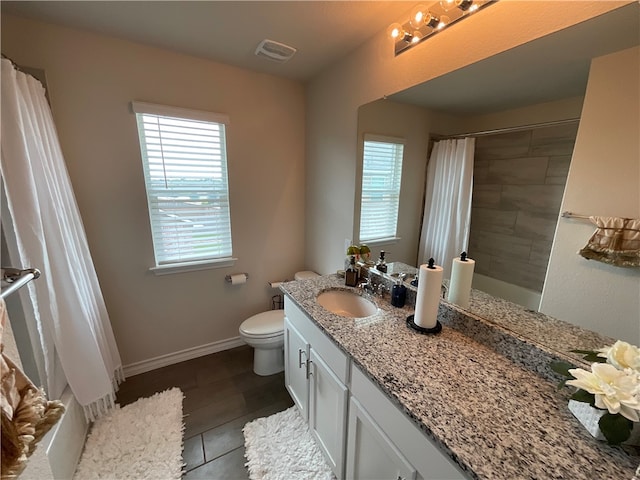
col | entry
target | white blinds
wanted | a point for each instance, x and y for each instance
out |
(381, 177)
(185, 170)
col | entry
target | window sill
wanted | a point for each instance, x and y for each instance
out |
(192, 266)
(382, 241)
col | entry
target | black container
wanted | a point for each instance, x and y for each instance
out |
(398, 295)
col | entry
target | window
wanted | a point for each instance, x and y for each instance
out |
(185, 170)
(381, 176)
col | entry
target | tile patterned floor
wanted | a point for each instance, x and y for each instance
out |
(222, 394)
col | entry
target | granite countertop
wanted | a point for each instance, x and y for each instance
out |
(483, 406)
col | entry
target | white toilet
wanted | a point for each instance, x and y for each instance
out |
(265, 333)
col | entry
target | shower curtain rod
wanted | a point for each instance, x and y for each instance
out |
(506, 129)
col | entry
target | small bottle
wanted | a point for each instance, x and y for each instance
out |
(399, 293)
(381, 265)
(351, 274)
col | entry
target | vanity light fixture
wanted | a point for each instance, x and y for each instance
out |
(424, 21)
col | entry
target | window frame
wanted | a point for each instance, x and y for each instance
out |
(164, 265)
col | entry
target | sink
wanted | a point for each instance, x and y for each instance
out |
(346, 304)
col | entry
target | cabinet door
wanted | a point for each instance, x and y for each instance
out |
(327, 412)
(370, 453)
(296, 368)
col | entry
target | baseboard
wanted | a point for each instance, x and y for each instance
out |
(180, 356)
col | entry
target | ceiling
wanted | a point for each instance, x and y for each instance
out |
(548, 69)
(229, 31)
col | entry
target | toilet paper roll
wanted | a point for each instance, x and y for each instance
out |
(460, 284)
(428, 297)
(275, 284)
(238, 279)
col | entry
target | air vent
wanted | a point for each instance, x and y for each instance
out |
(276, 51)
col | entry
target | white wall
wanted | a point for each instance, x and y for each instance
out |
(604, 180)
(370, 73)
(92, 79)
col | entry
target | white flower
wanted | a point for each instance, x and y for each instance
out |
(615, 390)
(622, 355)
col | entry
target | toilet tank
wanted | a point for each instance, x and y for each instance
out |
(304, 275)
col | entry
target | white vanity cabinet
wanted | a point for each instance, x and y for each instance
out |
(315, 376)
(362, 434)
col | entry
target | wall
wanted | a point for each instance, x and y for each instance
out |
(92, 79)
(372, 72)
(604, 179)
(413, 123)
(518, 182)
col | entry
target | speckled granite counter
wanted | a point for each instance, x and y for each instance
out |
(488, 411)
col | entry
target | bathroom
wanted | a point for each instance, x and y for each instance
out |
(283, 218)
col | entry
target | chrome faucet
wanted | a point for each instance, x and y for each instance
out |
(381, 290)
(366, 286)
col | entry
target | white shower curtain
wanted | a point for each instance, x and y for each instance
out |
(47, 233)
(447, 209)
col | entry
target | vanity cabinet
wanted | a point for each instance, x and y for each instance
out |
(315, 376)
(362, 434)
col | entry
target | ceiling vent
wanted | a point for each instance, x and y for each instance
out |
(276, 51)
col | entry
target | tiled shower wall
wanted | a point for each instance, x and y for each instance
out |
(519, 181)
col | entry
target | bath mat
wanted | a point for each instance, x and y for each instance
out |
(142, 440)
(280, 447)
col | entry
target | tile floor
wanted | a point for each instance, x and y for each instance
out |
(222, 394)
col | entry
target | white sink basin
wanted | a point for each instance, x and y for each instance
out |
(347, 304)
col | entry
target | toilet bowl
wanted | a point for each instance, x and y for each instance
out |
(265, 333)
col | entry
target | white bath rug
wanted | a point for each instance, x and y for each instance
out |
(280, 447)
(142, 440)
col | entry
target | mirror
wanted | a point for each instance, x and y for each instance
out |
(540, 82)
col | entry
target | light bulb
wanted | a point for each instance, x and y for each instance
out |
(473, 8)
(447, 4)
(395, 31)
(417, 36)
(416, 19)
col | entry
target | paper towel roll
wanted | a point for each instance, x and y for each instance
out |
(238, 279)
(460, 284)
(428, 297)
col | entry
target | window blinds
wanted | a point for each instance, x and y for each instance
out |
(185, 168)
(381, 178)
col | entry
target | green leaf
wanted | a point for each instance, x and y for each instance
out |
(615, 428)
(562, 368)
(590, 356)
(583, 396)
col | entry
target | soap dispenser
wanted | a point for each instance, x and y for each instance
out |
(351, 274)
(381, 264)
(399, 293)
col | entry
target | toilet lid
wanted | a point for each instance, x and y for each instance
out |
(264, 324)
(305, 275)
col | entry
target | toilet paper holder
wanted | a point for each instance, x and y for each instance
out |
(228, 277)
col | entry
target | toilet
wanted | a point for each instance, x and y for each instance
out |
(265, 333)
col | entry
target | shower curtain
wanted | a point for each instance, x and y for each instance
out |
(447, 209)
(45, 231)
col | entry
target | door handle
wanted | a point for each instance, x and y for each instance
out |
(300, 353)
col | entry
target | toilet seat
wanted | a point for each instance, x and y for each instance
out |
(264, 325)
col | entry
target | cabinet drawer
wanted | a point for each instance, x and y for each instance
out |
(336, 359)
